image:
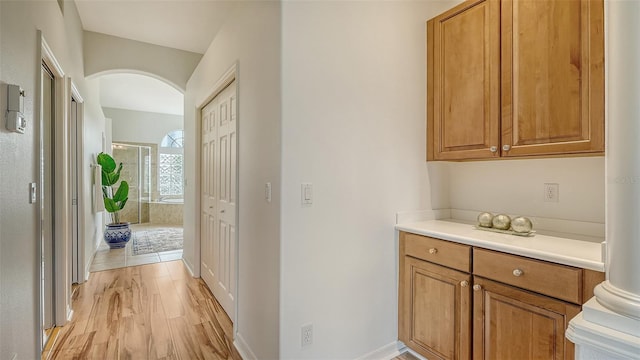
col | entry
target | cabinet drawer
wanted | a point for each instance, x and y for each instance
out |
(441, 252)
(558, 281)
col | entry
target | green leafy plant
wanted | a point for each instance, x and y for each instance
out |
(113, 202)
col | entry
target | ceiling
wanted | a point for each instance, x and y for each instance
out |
(189, 25)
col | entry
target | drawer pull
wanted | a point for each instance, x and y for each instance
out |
(518, 272)
(477, 287)
(433, 251)
(464, 283)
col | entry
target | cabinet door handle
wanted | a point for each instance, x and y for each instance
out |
(433, 251)
(493, 149)
(506, 147)
(518, 272)
(477, 287)
(464, 283)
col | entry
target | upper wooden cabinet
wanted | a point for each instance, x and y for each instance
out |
(515, 78)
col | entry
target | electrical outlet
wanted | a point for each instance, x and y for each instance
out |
(306, 333)
(551, 192)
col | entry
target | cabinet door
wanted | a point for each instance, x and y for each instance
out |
(552, 77)
(510, 323)
(435, 310)
(463, 59)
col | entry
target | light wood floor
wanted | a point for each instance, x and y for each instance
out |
(405, 356)
(155, 311)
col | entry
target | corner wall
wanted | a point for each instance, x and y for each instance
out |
(19, 159)
(250, 38)
(354, 103)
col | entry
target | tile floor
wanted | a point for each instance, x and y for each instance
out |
(106, 259)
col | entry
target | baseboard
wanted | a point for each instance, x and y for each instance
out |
(188, 266)
(243, 348)
(69, 313)
(87, 266)
(386, 352)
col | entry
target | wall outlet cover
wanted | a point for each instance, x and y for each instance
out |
(306, 333)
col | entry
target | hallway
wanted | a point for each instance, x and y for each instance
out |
(155, 311)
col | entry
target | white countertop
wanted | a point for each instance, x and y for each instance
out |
(582, 254)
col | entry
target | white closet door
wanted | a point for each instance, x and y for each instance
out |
(219, 172)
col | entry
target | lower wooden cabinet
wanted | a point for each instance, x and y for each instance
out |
(435, 310)
(510, 323)
(447, 313)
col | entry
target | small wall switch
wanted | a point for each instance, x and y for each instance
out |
(307, 194)
(267, 192)
(32, 193)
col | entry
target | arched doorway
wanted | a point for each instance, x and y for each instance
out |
(141, 111)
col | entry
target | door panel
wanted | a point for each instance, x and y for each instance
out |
(463, 82)
(435, 310)
(219, 196)
(552, 68)
(46, 196)
(208, 197)
(533, 325)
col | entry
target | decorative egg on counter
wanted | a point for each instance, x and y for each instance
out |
(501, 222)
(485, 219)
(521, 224)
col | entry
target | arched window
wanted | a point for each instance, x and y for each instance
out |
(171, 169)
(174, 139)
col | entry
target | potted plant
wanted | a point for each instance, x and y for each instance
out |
(116, 234)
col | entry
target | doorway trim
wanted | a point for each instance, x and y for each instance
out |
(227, 78)
(59, 256)
(79, 247)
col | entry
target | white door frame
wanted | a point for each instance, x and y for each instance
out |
(62, 278)
(227, 78)
(77, 131)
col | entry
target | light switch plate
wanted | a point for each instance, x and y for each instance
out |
(307, 194)
(267, 192)
(32, 193)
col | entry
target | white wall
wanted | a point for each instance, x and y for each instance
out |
(354, 126)
(95, 127)
(106, 53)
(517, 187)
(141, 126)
(19, 159)
(251, 37)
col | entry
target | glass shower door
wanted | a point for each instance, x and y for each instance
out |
(136, 170)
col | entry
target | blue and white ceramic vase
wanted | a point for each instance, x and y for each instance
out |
(117, 235)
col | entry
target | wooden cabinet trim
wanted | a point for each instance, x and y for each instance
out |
(452, 340)
(589, 62)
(472, 337)
(555, 280)
(561, 312)
(486, 14)
(590, 138)
(447, 253)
